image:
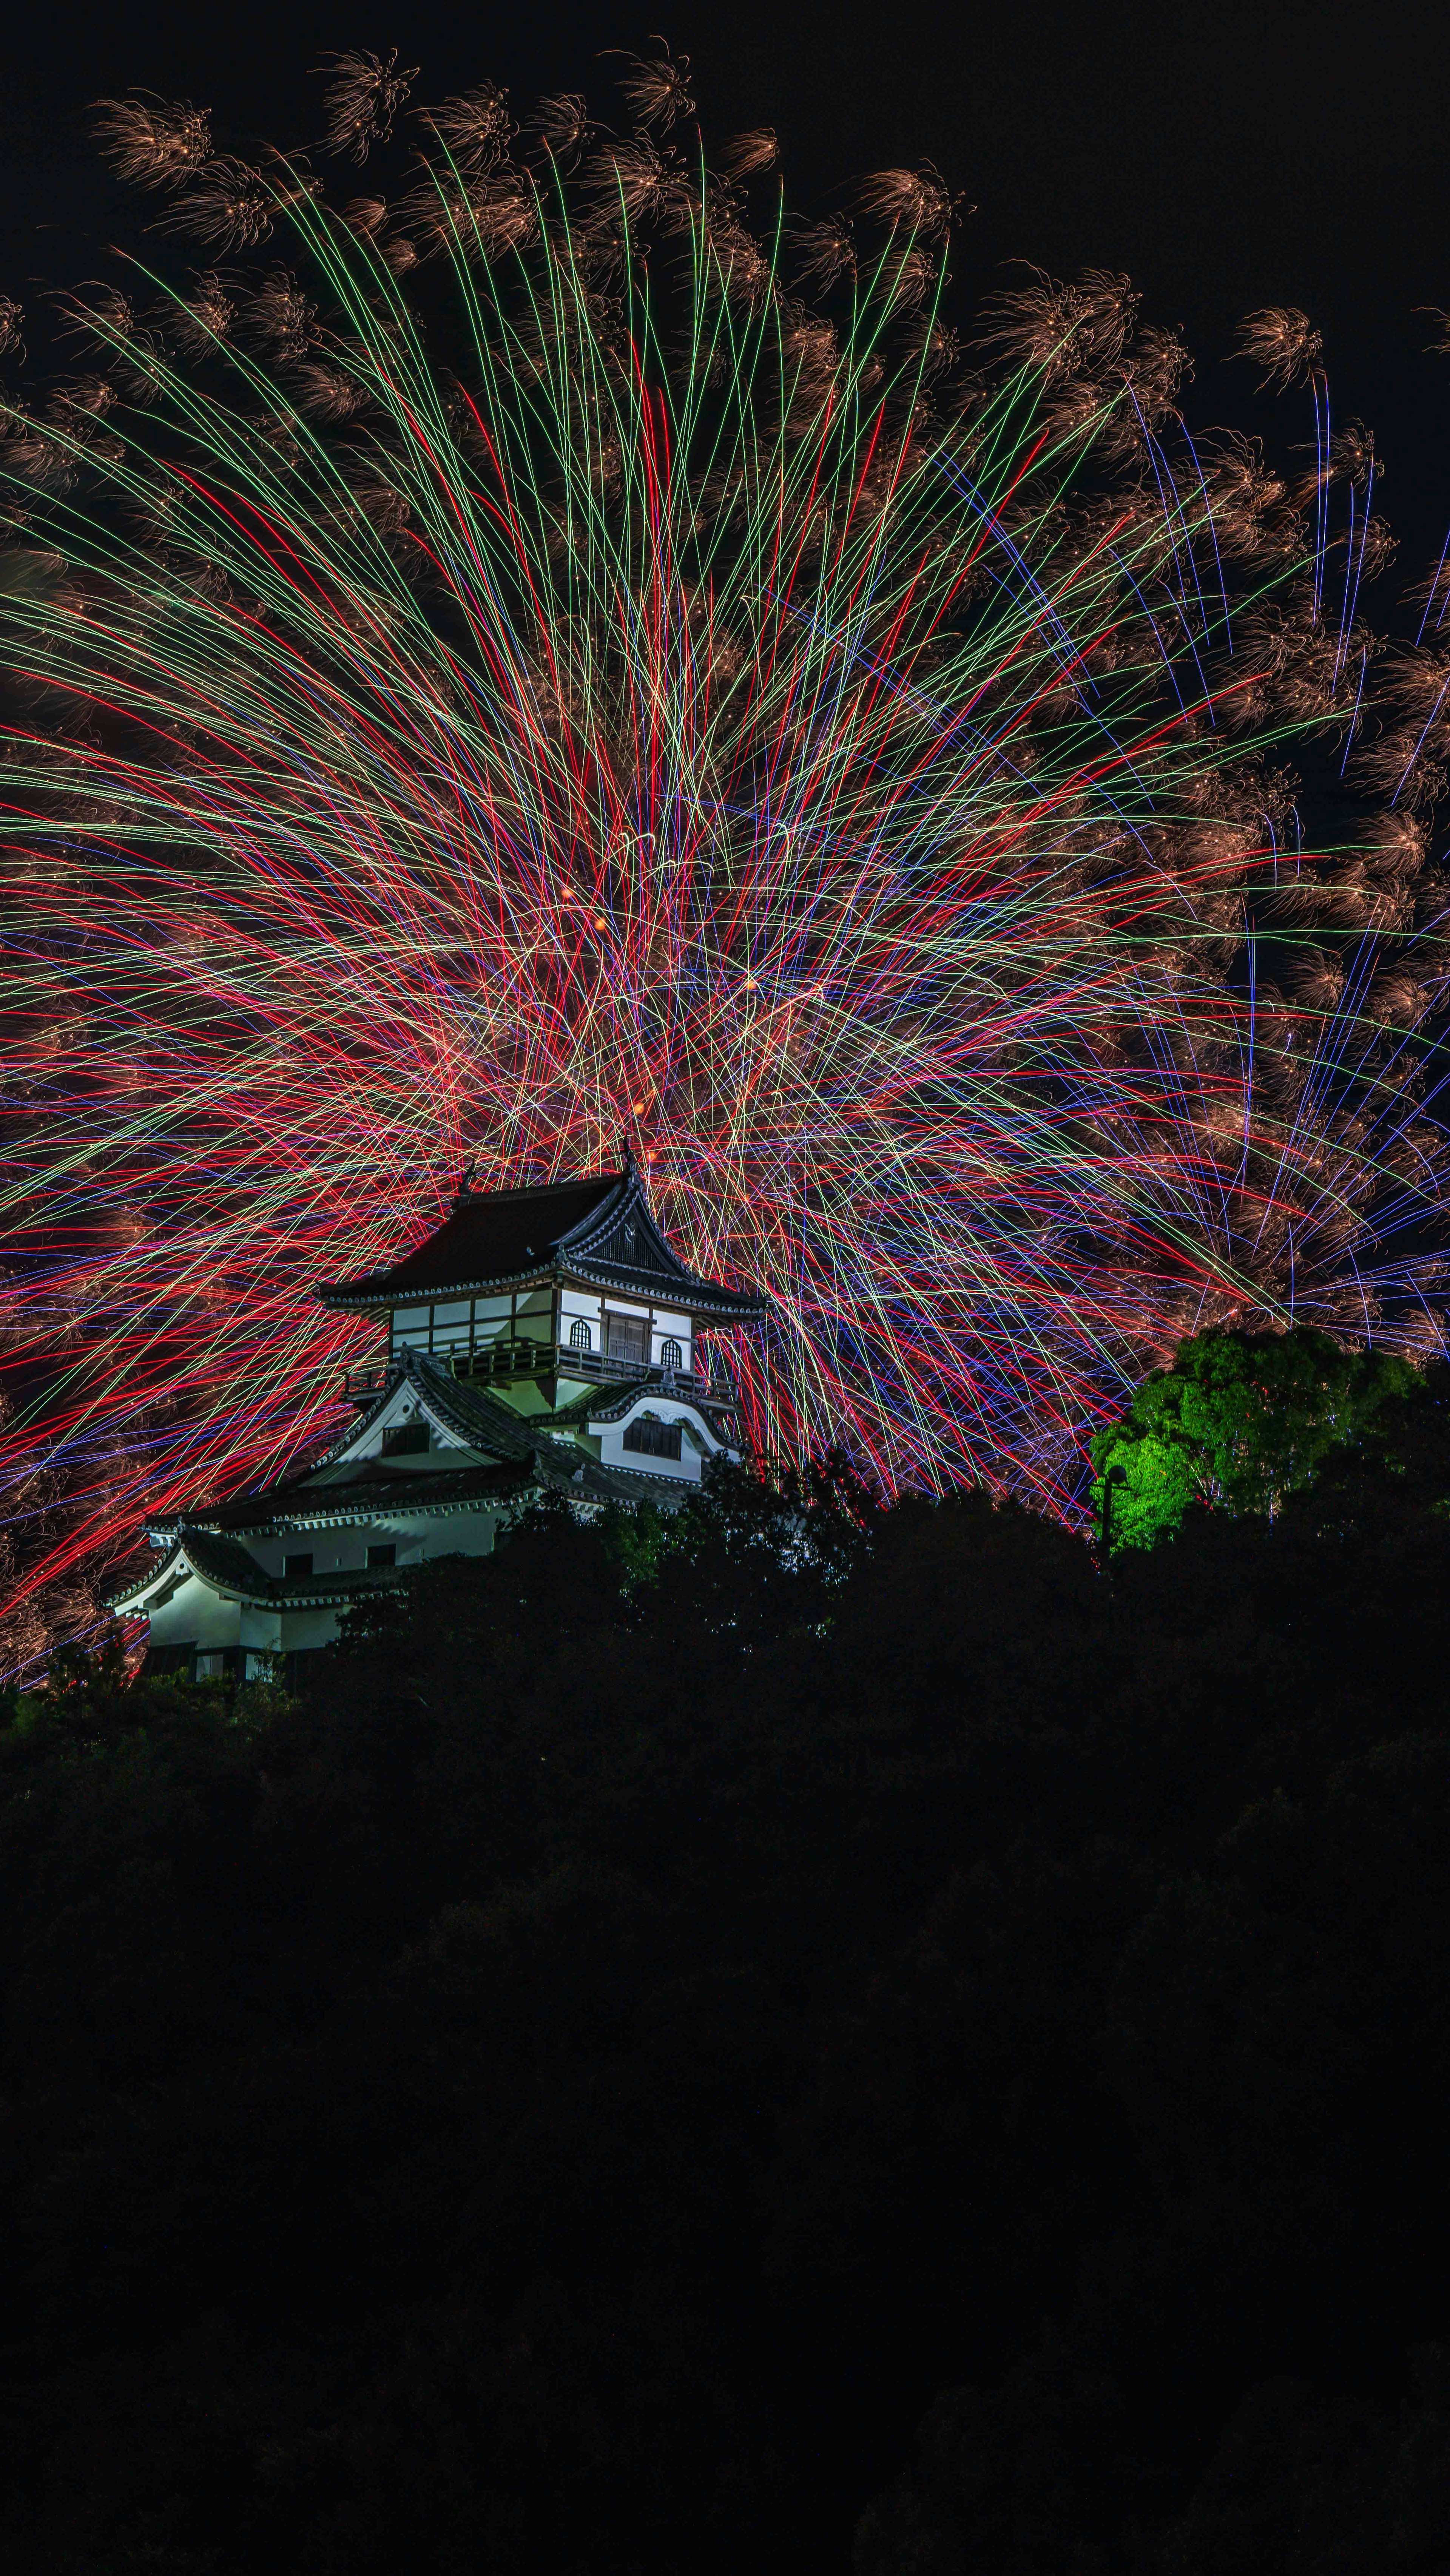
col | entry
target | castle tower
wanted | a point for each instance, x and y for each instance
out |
(539, 1341)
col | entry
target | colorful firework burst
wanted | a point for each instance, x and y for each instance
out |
(496, 668)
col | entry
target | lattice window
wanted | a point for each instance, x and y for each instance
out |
(653, 1439)
(672, 1355)
(628, 1337)
(580, 1337)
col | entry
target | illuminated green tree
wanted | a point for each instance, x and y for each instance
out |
(1239, 1422)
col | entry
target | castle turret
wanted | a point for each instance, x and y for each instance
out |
(539, 1340)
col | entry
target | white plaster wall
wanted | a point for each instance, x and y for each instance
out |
(453, 1320)
(405, 1406)
(575, 1304)
(345, 1550)
(685, 1470)
(304, 1628)
(469, 1535)
(461, 1534)
(195, 1615)
(452, 1325)
(535, 1316)
(410, 1325)
(670, 1328)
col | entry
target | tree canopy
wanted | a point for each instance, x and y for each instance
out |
(1238, 1422)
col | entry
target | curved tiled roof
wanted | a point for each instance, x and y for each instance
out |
(371, 1494)
(520, 1453)
(232, 1571)
(496, 1235)
(211, 1550)
(600, 1230)
(470, 1412)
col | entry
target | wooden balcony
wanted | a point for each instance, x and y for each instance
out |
(503, 1362)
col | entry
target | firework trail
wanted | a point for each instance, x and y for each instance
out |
(492, 667)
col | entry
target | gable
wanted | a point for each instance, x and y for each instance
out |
(628, 1240)
(652, 1404)
(156, 1585)
(405, 1408)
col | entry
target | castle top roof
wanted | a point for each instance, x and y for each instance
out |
(598, 1229)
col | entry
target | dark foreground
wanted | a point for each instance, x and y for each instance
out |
(921, 2050)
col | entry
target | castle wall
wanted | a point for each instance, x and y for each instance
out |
(197, 1619)
(195, 1615)
(345, 1551)
(303, 1630)
(694, 1445)
(452, 1328)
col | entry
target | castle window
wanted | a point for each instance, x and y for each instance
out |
(405, 1440)
(671, 1355)
(628, 1337)
(580, 1337)
(294, 1565)
(210, 1668)
(652, 1439)
(383, 1552)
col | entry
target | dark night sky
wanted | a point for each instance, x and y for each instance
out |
(1239, 152)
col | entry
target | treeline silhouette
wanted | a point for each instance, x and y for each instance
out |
(811, 2031)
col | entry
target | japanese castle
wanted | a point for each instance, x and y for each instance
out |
(541, 1341)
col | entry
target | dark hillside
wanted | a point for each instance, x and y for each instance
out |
(661, 2068)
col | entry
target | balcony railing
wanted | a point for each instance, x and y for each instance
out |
(506, 1360)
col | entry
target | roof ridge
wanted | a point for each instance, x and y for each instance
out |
(469, 1405)
(545, 1189)
(606, 1214)
(442, 1490)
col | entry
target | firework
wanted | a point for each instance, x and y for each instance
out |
(656, 87)
(363, 99)
(154, 143)
(599, 692)
(1281, 340)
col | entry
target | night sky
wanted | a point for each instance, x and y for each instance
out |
(647, 2029)
(1237, 153)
